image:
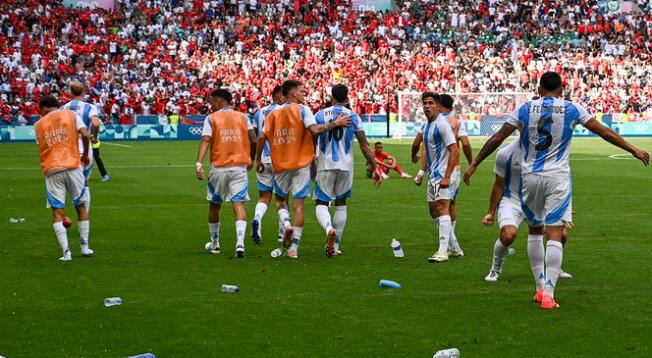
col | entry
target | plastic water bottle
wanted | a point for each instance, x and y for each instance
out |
(276, 253)
(144, 355)
(230, 288)
(15, 221)
(398, 250)
(112, 301)
(511, 251)
(389, 284)
(447, 353)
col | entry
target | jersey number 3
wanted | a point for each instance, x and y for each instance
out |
(544, 132)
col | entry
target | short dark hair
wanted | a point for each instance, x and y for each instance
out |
(340, 92)
(289, 85)
(277, 90)
(375, 144)
(550, 81)
(446, 101)
(49, 102)
(432, 95)
(223, 94)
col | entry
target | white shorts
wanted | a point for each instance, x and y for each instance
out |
(228, 185)
(436, 193)
(547, 200)
(333, 184)
(87, 171)
(455, 183)
(509, 213)
(69, 182)
(265, 179)
(297, 181)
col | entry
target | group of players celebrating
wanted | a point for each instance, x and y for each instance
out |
(533, 180)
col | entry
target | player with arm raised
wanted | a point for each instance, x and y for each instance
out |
(334, 180)
(290, 130)
(57, 136)
(265, 179)
(441, 154)
(88, 114)
(230, 137)
(546, 128)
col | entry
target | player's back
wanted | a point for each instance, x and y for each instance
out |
(291, 145)
(334, 147)
(57, 139)
(547, 129)
(259, 124)
(508, 166)
(230, 144)
(83, 110)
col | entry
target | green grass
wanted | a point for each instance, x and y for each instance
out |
(148, 229)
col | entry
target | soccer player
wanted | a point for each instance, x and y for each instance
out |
(265, 179)
(334, 179)
(57, 136)
(290, 130)
(385, 162)
(505, 198)
(442, 156)
(547, 127)
(445, 107)
(88, 114)
(231, 138)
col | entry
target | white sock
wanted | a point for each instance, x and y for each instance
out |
(536, 254)
(339, 221)
(296, 238)
(323, 217)
(281, 228)
(261, 209)
(214, 228)
(240, 229)
(500, 251)
(554, 257)
(84, 229)
(284, 216)
(453, 243)
(87, 202)
(444, 233)
(62, 236)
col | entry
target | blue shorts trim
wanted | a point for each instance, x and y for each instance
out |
(278, 191)
(263, 187)
(303, 192)
(78, 201)
(216, 198)
(321, 196)
(242, 195)
(54, 202)
(345, 195)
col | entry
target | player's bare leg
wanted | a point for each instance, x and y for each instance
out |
(536, 254)
(213, 246)
(324, 219)
(501, 247)
(454, 249)
(60, 231)
(83, 225)
(440, 212)
(554, 257)
(265, 197)
(240, 212)
(284, 217)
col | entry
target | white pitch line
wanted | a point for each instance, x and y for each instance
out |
(118, 145)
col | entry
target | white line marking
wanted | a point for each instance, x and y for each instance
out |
(622, 156)
(118, 145)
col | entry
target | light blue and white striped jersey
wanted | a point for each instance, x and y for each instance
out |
(84, 111)
(508, 167)
(546, 131)
(437, 136)
(259, 125)
(334, 148)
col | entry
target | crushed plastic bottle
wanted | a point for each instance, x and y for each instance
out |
(230, 288)
(144, 355)
(396, 247)
(276, 253)
(112, 301)
(389, 284)
(16, 221)
(447, 353)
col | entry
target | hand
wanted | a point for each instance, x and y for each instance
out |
(85, 161)
(418, 179)
(488, 219)
(343, 120)
(642, 155)
(200, 172)
(377, 178)
(260, 167)
(249, 166)
(468, 173)
(416, 159)
(570, 225)
(444, 182)
(94, 139)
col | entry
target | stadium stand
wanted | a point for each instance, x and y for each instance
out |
(149, 58)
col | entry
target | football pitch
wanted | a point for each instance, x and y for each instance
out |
(149, 226)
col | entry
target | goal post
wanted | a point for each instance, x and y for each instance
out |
(482, 113)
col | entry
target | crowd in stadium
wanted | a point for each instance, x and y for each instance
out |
(148, 57)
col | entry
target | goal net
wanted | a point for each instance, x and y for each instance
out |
(482, 113)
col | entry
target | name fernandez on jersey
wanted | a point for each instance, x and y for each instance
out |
(547, 126)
